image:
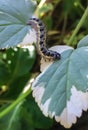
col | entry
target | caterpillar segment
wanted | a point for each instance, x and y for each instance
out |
(40, 29)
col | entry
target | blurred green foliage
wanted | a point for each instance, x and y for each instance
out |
(62, 19)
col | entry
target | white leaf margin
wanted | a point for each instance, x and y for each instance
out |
(78, 102)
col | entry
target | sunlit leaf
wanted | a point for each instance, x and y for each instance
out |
(61, 89)
(14, 16)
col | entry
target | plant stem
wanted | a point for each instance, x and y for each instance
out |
(39, 6)
(78, 26)
(19, 99)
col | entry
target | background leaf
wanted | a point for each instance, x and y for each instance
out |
(33, 116)
(17, 64)
(12, 120)
(26, 115)
(4, 74)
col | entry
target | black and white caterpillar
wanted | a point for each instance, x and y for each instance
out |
(40, 29)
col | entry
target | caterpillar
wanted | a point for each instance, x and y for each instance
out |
(40, 29)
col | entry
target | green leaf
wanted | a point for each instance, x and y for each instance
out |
(33, 116)
(12, 120)
(15, 70)
(68, 6)
(20, 61)
(83, 42)
(61, 89)
(4, 73)
(26, 115)
(14, 16)
(15, 87)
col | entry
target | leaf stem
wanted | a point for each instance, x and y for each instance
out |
(16, 102)
(39, 6)
(78, 26)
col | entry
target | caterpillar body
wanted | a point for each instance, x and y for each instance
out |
(40, 29)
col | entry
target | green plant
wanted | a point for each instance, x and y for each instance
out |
(63, 85)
